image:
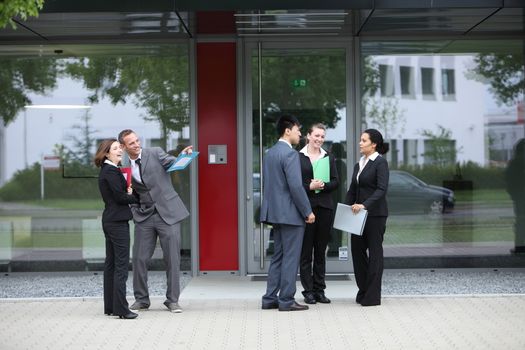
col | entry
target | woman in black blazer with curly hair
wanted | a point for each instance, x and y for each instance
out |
(115, 224)
(368, 191)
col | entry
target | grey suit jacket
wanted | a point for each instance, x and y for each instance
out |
(284, 198)
(158, 190)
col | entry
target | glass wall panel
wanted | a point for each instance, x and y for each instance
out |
(56, 106)
(310, 84)
(457, 151)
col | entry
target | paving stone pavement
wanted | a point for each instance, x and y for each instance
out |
(225, 313)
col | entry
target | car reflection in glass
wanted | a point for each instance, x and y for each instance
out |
(408, 194)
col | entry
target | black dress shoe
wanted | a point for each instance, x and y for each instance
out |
(294, 307)
(270, 306)
(129, 316)
(321, 298)
(370, 303)
(309, 298)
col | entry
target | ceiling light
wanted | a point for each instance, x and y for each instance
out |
(57, 107)
(292, 28)
(291, 14)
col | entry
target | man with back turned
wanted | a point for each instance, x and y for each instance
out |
(286, 207)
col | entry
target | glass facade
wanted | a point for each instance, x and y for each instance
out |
(310, 84)
(456, 195)
(56, 108)
(455, 122)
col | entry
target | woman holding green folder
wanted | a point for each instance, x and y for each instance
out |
(319, 180)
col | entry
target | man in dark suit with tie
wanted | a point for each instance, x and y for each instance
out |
(159, 215)
(286, 207)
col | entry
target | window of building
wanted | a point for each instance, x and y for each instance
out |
(454, 149)
(406, 75)
(427, 82)
(410, 152)
(386, 78)
(440, 152)
(448, 84)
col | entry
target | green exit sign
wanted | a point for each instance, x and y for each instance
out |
(299, 83)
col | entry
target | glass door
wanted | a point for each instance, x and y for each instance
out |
(309, 83)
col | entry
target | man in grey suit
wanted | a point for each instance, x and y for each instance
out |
(285, 206)
(158, 215)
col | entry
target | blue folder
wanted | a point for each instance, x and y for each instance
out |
(182, 161)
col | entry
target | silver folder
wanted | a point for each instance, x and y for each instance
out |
(346, 220)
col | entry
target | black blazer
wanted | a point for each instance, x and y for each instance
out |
(371, 188)
(112, 186)
(324, 197)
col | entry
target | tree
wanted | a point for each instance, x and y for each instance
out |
(382, 112)
(310, 86)
(370, 77)
(385, 114)
(19, 77)
(442, 149)
(504, 72)
(159, 84)
(83, 142)
(21, 8)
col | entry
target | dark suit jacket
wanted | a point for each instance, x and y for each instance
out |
(284, 199)
(112, 186)
(372, 187)
(324, 197)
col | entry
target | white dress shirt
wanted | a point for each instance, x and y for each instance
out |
(135, 171)
(363, 161)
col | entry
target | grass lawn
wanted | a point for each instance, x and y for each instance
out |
(52, 240)
(477, 224)
(479, 216)
(443, 230)
(72, 204)
(483, 195)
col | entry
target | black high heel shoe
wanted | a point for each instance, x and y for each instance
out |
(128, 316)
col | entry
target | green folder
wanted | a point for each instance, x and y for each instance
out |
(322, 170)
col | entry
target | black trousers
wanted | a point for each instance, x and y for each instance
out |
(367, 257)
(116, 267)
(316, 237)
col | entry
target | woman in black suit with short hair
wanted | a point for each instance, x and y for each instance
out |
(368, 191)
(115, 223)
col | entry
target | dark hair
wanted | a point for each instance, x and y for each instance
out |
(286, 121)
(377, 138)
(102, 150)
(123, 134)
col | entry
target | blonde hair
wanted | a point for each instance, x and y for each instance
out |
(317, 126)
